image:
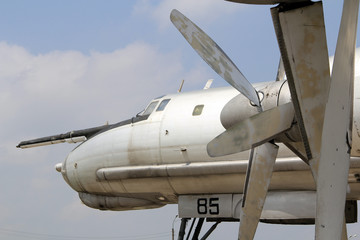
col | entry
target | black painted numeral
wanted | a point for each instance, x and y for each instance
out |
(202, 206)
(214, 206)
(208, 206)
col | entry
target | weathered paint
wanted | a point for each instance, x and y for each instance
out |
(253, 131)
(355, 150)
(213, 55)
(183, 140)
(257, 186)
(334, 160)
(307, 70)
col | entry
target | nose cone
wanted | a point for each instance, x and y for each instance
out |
(80, 166)
(58, 167)
(69, 172)
(109, 148)
(61, 167)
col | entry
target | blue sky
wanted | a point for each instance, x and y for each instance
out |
(69, 65)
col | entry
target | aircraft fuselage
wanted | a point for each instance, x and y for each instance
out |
(153, 158)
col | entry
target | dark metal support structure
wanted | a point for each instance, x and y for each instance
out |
(197, 231)
(182, 228)
(192, 225)
(207, 234)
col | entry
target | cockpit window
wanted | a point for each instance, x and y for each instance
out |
(162, 105)
(150, 108)
(198, 110)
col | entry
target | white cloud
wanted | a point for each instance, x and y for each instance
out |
(202, 10)
(69, 77)
(61, 91)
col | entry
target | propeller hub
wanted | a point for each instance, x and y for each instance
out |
(239, 108)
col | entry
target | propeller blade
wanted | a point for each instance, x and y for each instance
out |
(213, 55)
(334, 161)
(258, 178)
(281, 71)
(306, 63)
(252, 131)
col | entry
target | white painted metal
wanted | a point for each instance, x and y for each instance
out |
(307, 70)
(201, 206)
(282, 205)
(289, 205)
(174, 161)
(183, 155)
(115, 203)
(280, 76)
(253, 131)
(344, 235)
(191, 169)
(208, 84)
(355, 150)
(58, 167)
(335, 151)
(256, 187)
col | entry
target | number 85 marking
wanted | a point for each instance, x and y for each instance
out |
(208, 206)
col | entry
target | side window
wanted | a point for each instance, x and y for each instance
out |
(162, 105)
(150, 108)
(198, 110)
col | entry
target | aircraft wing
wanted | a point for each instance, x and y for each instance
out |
(69, 137)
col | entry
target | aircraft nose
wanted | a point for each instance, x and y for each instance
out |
(60, 167)
(69, 173)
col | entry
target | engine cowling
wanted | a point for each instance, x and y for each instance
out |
(240, 108)
(116, 203)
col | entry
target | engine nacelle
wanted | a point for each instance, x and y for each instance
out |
(240, 108)
(116, 203)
